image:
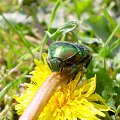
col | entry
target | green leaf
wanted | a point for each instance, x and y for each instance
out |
(100, 27)
(89, 40)
(67, 27)
(105, 87)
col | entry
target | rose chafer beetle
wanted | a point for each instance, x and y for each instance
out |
(66, 55)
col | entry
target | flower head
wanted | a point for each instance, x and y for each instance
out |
(70, 102)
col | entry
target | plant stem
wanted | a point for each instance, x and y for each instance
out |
(49, 27)
(43, 95)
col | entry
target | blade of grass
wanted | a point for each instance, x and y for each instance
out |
(111, 36)
(11, 71)
(27, 55)
(112, 22)
(109, 39)
(109, 18)
(117, 113)
(23, 39)
(51, 21)
(40, 46)
(8, 60)
(104, 49)
(113, 46)
(10, 85)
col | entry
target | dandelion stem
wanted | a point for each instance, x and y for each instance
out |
(42, 96)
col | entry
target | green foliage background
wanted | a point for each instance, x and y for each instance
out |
(28, 27)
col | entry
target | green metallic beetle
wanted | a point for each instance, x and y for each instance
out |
(66, 55)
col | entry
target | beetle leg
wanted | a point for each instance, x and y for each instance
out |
(84, 70)
(88, 61)
(74, 69)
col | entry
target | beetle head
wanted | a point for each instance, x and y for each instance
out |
(55, 64)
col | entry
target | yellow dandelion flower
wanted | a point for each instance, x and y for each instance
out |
(70, 102)
(42, 71)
